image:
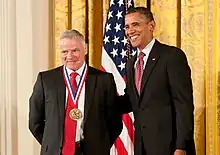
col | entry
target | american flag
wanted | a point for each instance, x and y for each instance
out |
(114, 57)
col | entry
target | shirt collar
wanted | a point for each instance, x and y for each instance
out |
(147, 48)
(79, 71)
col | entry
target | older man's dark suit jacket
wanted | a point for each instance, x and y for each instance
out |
(163, 112)
(102, 123)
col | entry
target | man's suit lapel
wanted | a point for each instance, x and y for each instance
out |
(61, 92)
(61, 95)
(89, 91)
(151, 62)
(131, 73)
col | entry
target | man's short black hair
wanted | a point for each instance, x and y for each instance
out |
(143, 11)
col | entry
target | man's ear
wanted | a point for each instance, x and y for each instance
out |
(152, 25)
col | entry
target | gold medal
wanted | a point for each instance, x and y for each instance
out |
(75, 114)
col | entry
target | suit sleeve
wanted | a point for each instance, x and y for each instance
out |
(124, 104)
(36, 110)
(180, 83)
(114, 117)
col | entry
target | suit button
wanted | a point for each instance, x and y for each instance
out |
(142, 109)
(143, 126)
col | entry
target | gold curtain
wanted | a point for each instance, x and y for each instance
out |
(192, 25)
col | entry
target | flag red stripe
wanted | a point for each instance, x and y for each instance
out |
(129, 125)
(102, 69)
(120, 147)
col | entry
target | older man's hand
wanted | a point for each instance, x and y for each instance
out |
(179, 152)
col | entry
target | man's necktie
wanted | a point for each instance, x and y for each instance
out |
(70, 125)
(73, 81)
(139, 71)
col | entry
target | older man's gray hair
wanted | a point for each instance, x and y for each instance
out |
(70, 34)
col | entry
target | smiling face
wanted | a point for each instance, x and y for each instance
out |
(73, 52)
(139, 29)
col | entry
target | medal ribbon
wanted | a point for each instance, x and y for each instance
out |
(75, 96)
(70, 128)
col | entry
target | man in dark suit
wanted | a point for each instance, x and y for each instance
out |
(159, 91)
(72, 107)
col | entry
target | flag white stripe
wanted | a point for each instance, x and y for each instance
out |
(110, 67)
(126, 140)
(132, 116)
(113, 150)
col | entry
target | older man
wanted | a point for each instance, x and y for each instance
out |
(72, 107)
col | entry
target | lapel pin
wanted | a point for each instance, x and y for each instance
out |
(153, 59)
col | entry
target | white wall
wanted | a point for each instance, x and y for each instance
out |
(24, 45)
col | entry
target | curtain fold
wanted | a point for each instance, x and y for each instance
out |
(212, 26)
(192, 42)
(95, 31)
(60, 24)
